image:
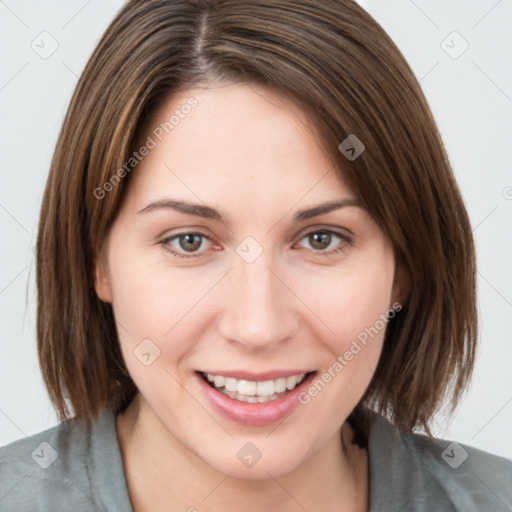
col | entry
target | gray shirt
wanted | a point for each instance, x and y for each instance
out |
(74, 468)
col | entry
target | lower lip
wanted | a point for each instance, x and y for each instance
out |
(258, 414)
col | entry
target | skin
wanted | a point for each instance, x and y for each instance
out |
(246, 152)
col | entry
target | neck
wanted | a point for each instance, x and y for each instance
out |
(160, 470)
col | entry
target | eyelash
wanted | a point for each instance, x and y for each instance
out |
(346, 242)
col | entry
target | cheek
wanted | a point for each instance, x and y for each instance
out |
(152, 303)
(353, 302)
(150, 297)
(350, 299)
(361, 304)
(356, 309)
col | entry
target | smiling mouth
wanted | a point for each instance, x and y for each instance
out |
(252, 391)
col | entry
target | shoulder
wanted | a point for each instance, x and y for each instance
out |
(417, 472)
(69, 465)
(42, 469)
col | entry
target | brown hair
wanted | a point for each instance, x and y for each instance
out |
(339, 66)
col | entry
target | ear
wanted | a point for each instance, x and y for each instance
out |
(101, 276)
(401, 285)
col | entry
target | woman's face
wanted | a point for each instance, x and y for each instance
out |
(244, 281)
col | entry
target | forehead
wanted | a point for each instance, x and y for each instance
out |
(243, 138)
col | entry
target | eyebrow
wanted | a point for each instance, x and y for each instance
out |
(208, 212)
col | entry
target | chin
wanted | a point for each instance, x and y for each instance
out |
(247, 459)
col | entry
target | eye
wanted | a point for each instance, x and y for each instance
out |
(323, 238)
(185, 243)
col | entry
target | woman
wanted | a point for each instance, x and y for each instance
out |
(248, 249)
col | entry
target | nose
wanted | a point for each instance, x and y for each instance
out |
(260, 310)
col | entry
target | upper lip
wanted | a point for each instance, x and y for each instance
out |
(257, 377)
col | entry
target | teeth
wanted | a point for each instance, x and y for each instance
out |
(280, 385)
(265, 388)
(252, 390)
(246, 387)
(251, 399)
(231, 384)
(219, 381)
(291, 382)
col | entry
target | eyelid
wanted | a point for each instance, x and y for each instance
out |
(340, 231)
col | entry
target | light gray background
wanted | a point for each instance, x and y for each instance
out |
(470, 95)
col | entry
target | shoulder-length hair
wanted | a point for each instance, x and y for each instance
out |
(337, 64)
